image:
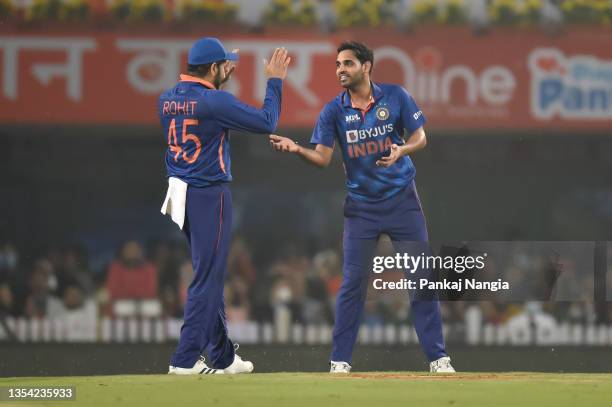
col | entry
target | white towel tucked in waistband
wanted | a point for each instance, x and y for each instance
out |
(174, 204)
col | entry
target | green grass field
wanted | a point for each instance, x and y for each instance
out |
(319, 390)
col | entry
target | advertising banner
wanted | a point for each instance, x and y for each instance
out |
(507, 79)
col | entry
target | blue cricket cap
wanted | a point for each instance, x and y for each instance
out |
(208, 50)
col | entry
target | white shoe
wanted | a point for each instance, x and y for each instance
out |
(441, 365)
(238, 366)
(199, 368)
(339, 367)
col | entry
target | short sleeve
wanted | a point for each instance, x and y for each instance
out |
(325, 129)
(412, 117)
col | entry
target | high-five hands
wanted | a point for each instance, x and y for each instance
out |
(284, 144)
(277, 66)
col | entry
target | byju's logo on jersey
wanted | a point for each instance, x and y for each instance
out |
(382, 113)
(352, 118)
(352, 136)
(569, 87)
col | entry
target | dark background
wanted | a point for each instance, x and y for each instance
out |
(94, 184)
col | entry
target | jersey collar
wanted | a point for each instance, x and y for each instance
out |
(189, 78)
(376, 95)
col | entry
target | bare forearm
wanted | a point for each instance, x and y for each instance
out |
(416, 142)
(320, 156)
(312, 157)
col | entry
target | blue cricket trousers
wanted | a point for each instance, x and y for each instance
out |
(401, 217)
(208, 224)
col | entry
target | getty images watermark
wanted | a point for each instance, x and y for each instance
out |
(422, 277)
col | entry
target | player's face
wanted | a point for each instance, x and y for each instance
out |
(349, 70)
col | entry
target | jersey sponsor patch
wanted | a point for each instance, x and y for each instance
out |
(352, 136)
(352, 118)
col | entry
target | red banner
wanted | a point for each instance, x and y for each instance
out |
(507, 79)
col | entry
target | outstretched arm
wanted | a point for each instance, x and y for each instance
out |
(320, 156)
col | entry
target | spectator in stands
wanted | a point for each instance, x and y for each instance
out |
(170, 303)
(174, 271)
(284, 307)
(293, 268)
(131, 276)
(11, 288)
(78, 313)
(40, 302)
(329, 268)
(73, 269)
(240, 260)
(73, 297)
(161, 256)
(321, 287)
(395, 305)
(7, 300)
(237, 301)
(372, 313)
(185, 277)
(498, 313)
(9, 259)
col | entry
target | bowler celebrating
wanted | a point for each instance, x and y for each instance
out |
(196, 117)
(368, 121)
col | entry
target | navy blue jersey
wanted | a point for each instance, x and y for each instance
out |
(196, 119)
(365, 136)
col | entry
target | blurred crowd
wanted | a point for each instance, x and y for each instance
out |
(156, 276)
(152, 280)
(326, 14)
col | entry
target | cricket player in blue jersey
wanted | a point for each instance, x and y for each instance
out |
(368, 121)
(196, 117)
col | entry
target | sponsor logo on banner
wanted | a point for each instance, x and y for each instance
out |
(460, 89)
(569, 87)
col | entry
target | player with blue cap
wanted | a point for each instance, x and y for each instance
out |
(207, 50)
(196, 117)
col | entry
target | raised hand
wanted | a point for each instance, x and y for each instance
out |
(284, 144)
(277, 66)
(228, 68)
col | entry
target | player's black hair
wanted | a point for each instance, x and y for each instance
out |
(361, 51)
(201, 70)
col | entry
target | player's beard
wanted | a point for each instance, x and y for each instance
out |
(353, 81)
(218, 80)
